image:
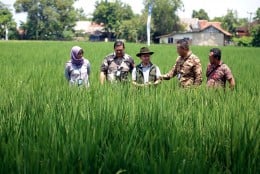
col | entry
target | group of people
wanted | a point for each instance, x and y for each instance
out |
(118, 66)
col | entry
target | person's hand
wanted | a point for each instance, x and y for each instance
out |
(165, 77)
(138, 85)
(157, 82)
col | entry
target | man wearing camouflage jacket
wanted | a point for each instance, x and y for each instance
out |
(187, 67)
(117, 66)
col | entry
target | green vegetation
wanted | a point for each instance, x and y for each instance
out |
(245, 41)
(48, 127)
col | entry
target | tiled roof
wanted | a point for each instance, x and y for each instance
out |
(204, 24)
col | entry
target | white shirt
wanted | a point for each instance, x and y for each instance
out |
(146, 71)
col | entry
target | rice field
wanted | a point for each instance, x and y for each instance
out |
(48, 127)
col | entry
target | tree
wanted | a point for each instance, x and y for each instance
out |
(7, 22)
(257, 17)
(201, 14)
(133, 30)
(230, 21)
(48, 20)
(164, 17)
(255, 32)
(112, 14)
(81, 16)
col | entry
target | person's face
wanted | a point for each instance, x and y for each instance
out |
(181, 51)
(119, 50)
(145, 58)
(80, 54)
(211, 58)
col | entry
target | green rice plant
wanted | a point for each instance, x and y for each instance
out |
(46, 126)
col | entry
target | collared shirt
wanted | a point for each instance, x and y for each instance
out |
(146, 72)
(117, 68)
(217, 75)
(188, 70)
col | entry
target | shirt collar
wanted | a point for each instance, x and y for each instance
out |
(188, 56)
(148, 66)
(220, 63)
(117, 57)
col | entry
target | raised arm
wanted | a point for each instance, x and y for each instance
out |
(170, 74)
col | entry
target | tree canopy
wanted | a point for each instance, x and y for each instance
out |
(201, 14)
(257, 14)
(111, 14)
(48, 20)
(164, 17)
(6, 21)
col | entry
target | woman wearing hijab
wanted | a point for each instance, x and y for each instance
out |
(77, 69)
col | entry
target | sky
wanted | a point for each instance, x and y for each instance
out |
(214, 8)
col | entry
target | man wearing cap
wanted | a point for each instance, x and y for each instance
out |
(218, 72)
(146, 73)
(116, 66)
(187, 67)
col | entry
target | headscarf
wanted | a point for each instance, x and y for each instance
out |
(73, 55)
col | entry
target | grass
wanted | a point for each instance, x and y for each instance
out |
(48, 127)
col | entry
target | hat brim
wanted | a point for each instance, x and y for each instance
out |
(139, 54)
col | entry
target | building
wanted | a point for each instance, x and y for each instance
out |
(242, 31)
(92, 29)
(245, 30)
(199, 32)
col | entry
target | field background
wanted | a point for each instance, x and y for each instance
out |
(48, 127)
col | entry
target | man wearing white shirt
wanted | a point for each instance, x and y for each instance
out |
(146, 73)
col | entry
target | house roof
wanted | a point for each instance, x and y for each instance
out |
(204, 24)
(190, 23)
(88, 26)
(201, 26)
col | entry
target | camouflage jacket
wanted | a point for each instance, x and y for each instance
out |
(117, 69)
(218, 75)
(188, 70)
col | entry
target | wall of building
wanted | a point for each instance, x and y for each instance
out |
(174, 38)
(210, 36)
(164, 40)
(210, 39)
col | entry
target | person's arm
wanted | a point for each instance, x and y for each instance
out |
(132, 65)
(88, 69)
(229, 76)
(67, 72)
(102, 77)
(197, 72)
(103, 70)
(171, 73)
(231, 83)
